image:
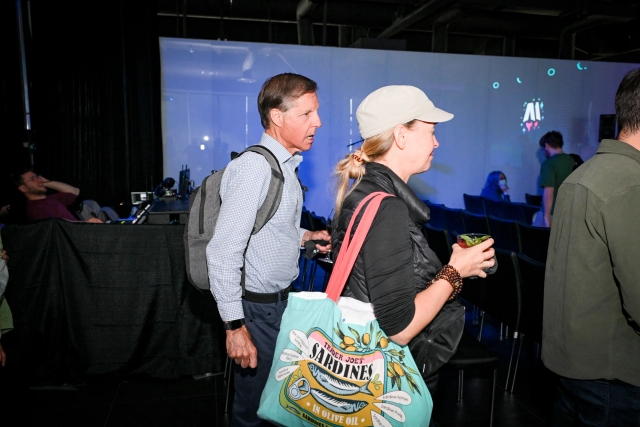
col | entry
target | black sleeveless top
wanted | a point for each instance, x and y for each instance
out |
(395, 261)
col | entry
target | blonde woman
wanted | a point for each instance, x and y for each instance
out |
(396, 270)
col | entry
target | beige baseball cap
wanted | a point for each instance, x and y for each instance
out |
(389, 106)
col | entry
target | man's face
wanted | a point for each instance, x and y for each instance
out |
(299, 123)
(32, 183)
(545, 151)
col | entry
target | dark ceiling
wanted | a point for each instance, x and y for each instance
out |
(597, 30)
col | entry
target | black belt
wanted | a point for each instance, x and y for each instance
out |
(282, 295)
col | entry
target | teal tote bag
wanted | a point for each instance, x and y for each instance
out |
(334, 366)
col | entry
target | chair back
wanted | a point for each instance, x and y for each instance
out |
(504, 232)
(531, 276)
(528, 212)
(503, 290)
(494, 207)
(513, 211)
(439, 240)
(473, 203)
(437, 215)
(453, 220)
(533, 199)
(534, 241)
(474, 223)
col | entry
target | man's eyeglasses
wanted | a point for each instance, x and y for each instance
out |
(34, 177)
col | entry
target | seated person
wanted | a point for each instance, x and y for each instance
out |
(4, 213)
(6, 320)
(43, 206)
(495, 188)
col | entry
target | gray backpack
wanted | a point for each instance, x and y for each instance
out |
(204, 208)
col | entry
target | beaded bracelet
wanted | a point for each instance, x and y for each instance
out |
(451, 275)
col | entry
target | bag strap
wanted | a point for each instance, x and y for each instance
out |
(351, 247)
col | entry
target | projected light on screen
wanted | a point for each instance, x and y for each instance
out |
(532, 115)
(211, 87)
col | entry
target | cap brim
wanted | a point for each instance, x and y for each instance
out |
(435, 115)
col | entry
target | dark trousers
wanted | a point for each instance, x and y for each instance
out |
(596, 403)
(263, 323)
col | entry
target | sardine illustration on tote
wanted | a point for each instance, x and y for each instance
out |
(336, 385)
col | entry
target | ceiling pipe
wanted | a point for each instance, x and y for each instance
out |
(416, 16)
(567, 39)
(440, 29)
(305, 26)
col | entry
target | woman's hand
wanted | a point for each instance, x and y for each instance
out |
(470, 261)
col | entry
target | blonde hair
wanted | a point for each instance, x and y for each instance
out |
(350, 170)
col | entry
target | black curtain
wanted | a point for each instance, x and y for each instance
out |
(12, 127)
(95, 95)
(107, 299)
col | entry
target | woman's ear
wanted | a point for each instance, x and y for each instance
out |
(399, 135)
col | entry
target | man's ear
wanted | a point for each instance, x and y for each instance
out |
(276, 117)
(22, 188)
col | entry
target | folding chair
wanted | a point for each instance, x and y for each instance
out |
(474, 223)
(473, 203)
(533, 199)
(472, 354)
(534, 241)
(530, 275)
(504, 232)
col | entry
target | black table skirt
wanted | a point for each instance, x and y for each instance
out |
(108, 299)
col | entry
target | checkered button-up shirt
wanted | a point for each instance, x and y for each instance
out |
(273, 253)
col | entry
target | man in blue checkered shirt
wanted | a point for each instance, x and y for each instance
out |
(288, 107)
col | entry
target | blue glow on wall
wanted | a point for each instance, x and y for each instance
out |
(210, 89)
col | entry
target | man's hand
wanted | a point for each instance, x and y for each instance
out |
(320, 235)
(241, 348)
(95, 220)
(4, 210)
(59, 186)
(4, 255)
(504, 188)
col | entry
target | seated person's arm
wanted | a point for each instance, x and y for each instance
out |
(61, 187)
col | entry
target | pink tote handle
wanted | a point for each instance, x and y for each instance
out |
(351, 247)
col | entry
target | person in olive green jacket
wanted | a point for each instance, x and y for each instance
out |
(590, 336)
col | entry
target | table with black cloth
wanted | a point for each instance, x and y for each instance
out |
(107, 299)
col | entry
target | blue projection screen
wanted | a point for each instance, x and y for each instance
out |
(502, 107)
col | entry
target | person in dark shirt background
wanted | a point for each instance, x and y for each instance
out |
(495, 188)
(42, 206)
(553, 172)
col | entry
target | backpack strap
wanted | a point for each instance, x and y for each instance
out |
(271, 202)
(274, 194)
